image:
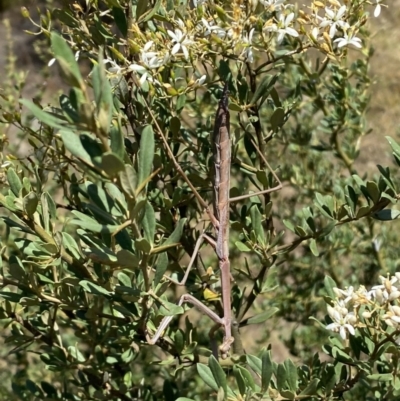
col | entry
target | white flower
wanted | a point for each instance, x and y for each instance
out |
(348, 40)
(115, 68)
(378, 8)
(315, 34)
(210, 28)
(181, 41)
(273, 5)
(392, 317)
(342, 323)
(333, 20)
(248, 53)
(200, 81)
(282, 27)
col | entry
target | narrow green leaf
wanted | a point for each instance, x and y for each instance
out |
(242, 247)
(266, 370)
(255, 363)
(120, 20)
(146, 153)
(205, 373)
(381, 377)
(152, 12)
(43, 116)
(128, 180)
(373, 191)
(256, 223)
(248, 377)
(170, 309)
(73, 144)
(30, 203)
(277, 119)
(66, 61)
(149, 223)
(263, 316)
(329, 284)
(161, 267)
(14, 181)
(141, 8)
(313, 247)
(70, 245)
(281, 376)
(218, 373)
(292, 376)
(264, 87)
(117, 140)
(239, 380)
(311, 388)
(176, 234)
(94, 288)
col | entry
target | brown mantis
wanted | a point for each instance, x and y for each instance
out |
(220, 221)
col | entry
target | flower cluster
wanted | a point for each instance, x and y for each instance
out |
(242, 32)
(380, 305)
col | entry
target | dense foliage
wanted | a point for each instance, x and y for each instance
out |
(102, 217)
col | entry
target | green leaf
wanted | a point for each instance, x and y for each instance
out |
(94, 288)
(66, 60)
(141, 8)
(43, 116)
(146, 154)
(14, 181)
(292, 377)
(266, 370)
(86, 222)
(76, 354)
(180, 103)
(111, 164)
(149, 223)
(117, 140)
(311, 388)
(381, 377)
(386, 215)
(152, 12)
(247, 377)
(170, 309)
(70, 245)
(277, 119)
(120, 20)
(329, 284)
(205, 373)
(49, 210)
(313, 247)
(256, 223)
(127, 259)
(30, 204)
(239, 380)
(255, 363)
(242, 247)
(373, 191)
(128, 180)
(263, 316)
(73, 144)
(218, 373)
(102, 95)
(161, 267)
(281, 376)
(264, 88)
(176, 234)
